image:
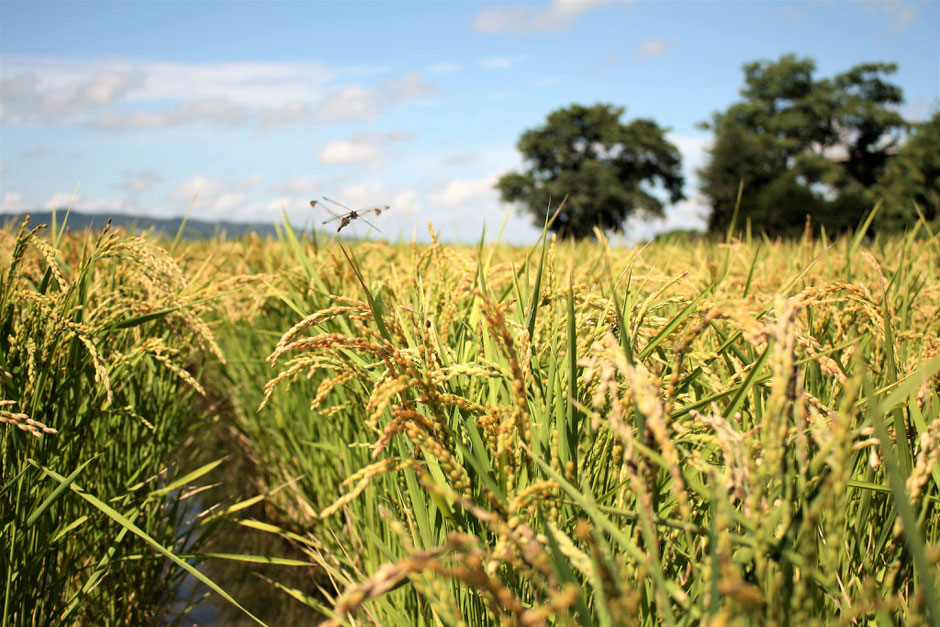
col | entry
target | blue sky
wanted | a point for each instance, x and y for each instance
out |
(253, 107)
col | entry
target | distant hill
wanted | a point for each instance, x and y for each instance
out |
(166, 227)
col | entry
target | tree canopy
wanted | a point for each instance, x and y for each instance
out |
(607, 169)
(803, 145)
(913, 176)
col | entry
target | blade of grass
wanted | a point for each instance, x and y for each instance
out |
(137, 531)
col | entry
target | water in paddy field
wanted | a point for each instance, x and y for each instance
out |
(243, 581)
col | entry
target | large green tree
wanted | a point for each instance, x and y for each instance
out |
(802, 145)
(606, 168)
(913, 176)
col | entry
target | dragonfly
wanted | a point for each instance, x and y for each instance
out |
(350, 214)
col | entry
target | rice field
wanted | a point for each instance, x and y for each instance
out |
(688, 432)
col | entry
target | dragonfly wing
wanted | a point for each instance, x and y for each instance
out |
(370, 224)
(337, 203)
(373, 210)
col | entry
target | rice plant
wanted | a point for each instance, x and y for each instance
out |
(686, 432)
(581, 434)
(101, 342)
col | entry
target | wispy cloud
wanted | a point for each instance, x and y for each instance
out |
(33, 153)
(496, 63)
(135, 183)
(123, 95)
(216, 198)
(28, 99)
(609, 62)
(12, 201)
(903, 16)
(295, 112)
(523, 19)
(211, 110)
(363, 104)
(300, 186)
(901, 12)
(366, 149)
(458, 191)
(462, 160)
(444, 68)
(196, 187)
(653, 48)
(795, 13)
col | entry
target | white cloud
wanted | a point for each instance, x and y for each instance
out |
(406, 207)
(139, 182)
(516, 19)
(27, 99)
(349, 103)
(456, 192)
(301, 186)
(13, 202)
(214, 110)
(243, 200)
(609, 62)
(444, 68)
(252, 84)
(496, 63)
(227, 202)
(33, 153)
(691, 214)
(462, 160)
(915, 110)
(694, 153)
(203, 186)
(363, 104)
(902, 12)
(290, 113)
(253, 180)
(198, 187)
(903, 18)
(521, 19)
(457, 206)
(80, 202)
(461, 207)
(122, 94)
(653, 48)
(367, 149)
(217, 199)
(365, 194)
(346, 151)
(407, 87)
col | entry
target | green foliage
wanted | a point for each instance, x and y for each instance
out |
(572, 434)
(604, 167)
(95, 409)
(581, 435)
(913, 176)
(803, 146)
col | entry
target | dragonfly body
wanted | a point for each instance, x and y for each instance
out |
(350, 214)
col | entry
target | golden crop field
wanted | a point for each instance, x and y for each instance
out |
(688, 432)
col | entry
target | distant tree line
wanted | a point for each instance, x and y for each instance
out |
(830, 148)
